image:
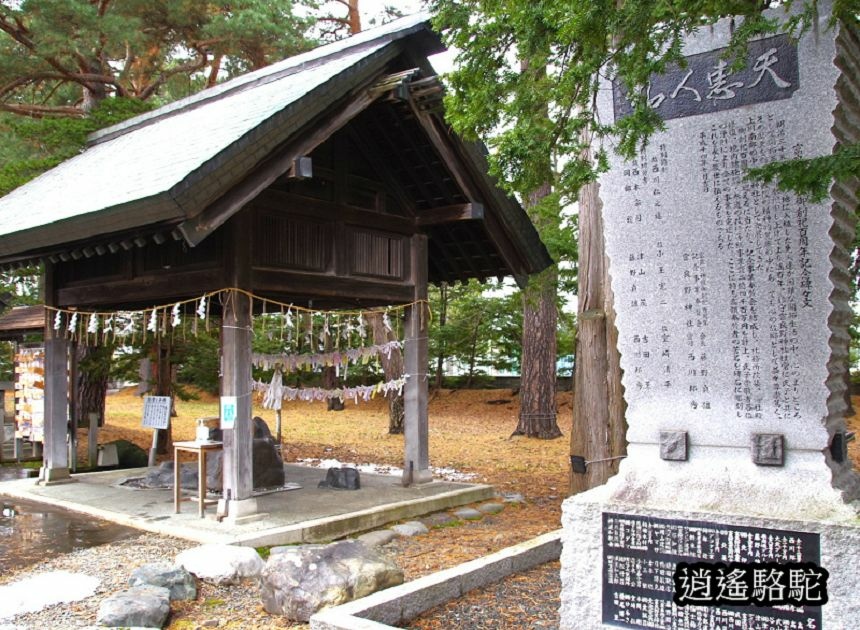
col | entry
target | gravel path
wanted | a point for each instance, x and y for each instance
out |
(111, 564)
(523, 600)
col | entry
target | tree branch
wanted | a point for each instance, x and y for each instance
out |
(42, 111)
(188, 68)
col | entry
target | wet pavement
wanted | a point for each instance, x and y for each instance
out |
(32, 532)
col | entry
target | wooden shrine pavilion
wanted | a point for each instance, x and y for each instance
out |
(329, 177)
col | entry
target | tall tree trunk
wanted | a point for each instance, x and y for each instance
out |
(443, 318)
(92, 380)
(95, 92)
(537, 373)
(473, 353)
(392, 367)
(599, 431)
(330, 380)
(354, 17)
(164, 387)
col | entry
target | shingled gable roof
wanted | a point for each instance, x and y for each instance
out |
(167, 166)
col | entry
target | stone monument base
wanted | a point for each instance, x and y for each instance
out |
(619, 557)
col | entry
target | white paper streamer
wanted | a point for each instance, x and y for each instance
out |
(296, 362)
(355, 394)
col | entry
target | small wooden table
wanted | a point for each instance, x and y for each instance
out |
(200, 449)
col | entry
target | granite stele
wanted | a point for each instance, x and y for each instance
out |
(732, 311)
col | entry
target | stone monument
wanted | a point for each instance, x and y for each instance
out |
(732, 311)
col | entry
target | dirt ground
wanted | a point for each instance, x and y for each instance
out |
(470, 431)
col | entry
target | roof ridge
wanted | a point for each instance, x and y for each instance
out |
(396, 29)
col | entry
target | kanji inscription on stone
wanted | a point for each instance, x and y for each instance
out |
(639, 559)
(709, 82)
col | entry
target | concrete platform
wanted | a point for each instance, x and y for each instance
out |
(309, 514)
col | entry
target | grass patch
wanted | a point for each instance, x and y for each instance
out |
(449, 524)
(264, 552)
(213, 602)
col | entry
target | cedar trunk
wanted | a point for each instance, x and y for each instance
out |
(599, 431)
(537, 373)
(164, 387)
(93, 366)
(443, 319)
(331, 381)
(392, 367)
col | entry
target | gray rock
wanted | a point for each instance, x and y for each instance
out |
(412, 528)
(378, 538)
(303, 579)
(439, 519)
(280, 549)
(146, 606)
(491, 508)
(176, 579)
(468, 514)
(221, 564)
(130, 455)
(344, 478)
(268, 467)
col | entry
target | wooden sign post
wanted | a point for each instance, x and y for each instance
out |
(156, 415)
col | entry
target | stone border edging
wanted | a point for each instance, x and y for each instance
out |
(401, 604)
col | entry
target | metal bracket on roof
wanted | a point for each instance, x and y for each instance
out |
(302, 168)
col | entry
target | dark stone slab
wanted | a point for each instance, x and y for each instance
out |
(344, 478)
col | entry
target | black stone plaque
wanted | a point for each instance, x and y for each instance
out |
(639, 559)
(708, 84)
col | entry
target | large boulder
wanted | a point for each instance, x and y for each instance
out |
(141, 606)
(268, 467)
(162, 476)
(129, 454)
(298, 581)
(176, 579)
(221, 564)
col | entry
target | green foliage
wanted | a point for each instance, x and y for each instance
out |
(811, 177)
(482, 330)
(58, 57)
(527, 75)
(35, 145)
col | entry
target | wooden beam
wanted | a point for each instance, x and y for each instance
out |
(143, 289)
(236, 333)
(447, 153)
(497, 233)
(311, 285)
(450, 214)
(416, 468)
(397, 150)
(319, 209)
(368, 148)
(199, 227)
(56, 398)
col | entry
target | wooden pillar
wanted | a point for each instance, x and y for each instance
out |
(416, 467)
(55, 466)
(236, 375)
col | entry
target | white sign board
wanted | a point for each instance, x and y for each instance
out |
(228, 412)
(156, 412)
